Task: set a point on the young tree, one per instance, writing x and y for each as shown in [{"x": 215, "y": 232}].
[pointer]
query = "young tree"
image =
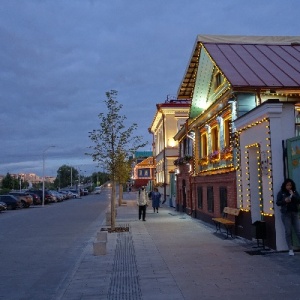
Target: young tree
[
  {"x": 123, "y": 172},
  {"x": 112, "y": 138}
]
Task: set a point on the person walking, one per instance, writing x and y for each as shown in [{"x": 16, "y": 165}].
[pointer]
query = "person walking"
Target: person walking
[
  {"x": 288, "y": 199},
  {"x": 142, "y": 203},
  {"x": 155, "y": 197}
]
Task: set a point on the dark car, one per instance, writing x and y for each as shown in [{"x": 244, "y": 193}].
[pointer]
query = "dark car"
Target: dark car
[
  {"x": 35, "y": 197},
  {"x": 3, "y": 206},
  {"x": 11, "y": 201},
  {"x": 49, "y": 198}
]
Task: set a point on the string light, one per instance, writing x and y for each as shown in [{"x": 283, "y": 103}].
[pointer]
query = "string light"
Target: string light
[{"x": 270, "y": 210}]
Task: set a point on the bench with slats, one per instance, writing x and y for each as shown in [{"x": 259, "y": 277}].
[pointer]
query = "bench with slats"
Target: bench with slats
[{"x": 227, "y": 221}]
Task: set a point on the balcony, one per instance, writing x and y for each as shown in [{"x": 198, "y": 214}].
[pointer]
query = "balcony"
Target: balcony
[{"x": 183, "y": 160}]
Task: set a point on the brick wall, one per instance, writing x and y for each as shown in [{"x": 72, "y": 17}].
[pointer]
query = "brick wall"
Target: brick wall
[{"x": 226, "y": 180}]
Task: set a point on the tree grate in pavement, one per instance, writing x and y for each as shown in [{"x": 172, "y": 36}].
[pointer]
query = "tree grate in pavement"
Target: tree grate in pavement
[{"x": 124, "y": 283}]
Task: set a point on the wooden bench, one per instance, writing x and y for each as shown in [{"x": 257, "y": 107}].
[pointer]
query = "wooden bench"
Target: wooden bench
[{"x": 227, "y": 221}]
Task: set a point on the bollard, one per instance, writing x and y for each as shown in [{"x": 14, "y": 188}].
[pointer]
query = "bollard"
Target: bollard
[
  {"x": 99, "y": 248},
  {"x": 108, "y": 218},
  {"x": 102, "y": 236}
]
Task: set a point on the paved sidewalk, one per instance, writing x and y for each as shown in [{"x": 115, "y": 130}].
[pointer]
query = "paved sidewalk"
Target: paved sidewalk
[{"x": 173, "y": 256}]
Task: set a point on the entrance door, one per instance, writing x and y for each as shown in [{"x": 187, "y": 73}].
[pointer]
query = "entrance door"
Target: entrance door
[{"x": 255, "y": 184}]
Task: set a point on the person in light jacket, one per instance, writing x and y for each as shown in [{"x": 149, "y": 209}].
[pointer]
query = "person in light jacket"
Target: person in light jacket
[
  {"x": 288, "y": 199},
  {"x": 142, "y": 203}
]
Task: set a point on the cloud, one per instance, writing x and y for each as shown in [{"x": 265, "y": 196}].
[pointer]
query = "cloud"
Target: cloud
[{"x": 59, "y": 58}]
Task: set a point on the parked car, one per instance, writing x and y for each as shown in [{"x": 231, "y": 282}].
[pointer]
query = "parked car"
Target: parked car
[
  {"x": 35, "y": 197},
  {"x": 64, "y": 196},
  {"x": 26, "y": 199},
  {"x": 3, "y": 206},
  {"x": 49, "y": 198},
  {"x": 97, "y": 190},
  {"x": 67, "y": 194},
  {"x": 11, "y": 201},
  {"x": 85, "y": 192},
  {"x": 59, "y": 197},
  {"x": 74, "y": 193}
]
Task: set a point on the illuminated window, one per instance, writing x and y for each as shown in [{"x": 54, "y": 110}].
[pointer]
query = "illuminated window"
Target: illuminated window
[
  {"x": 226, "y": 132},
  {"x": 215, "y": 138},
  {"x": 203, "y": 145},
  {"x": 217, "y": 80}
]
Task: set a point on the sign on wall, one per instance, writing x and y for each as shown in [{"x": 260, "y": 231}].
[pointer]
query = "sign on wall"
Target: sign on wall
[{"x": 293, "y": 159}]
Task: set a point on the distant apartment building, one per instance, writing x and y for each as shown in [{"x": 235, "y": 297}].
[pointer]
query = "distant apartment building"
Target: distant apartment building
[{"x": 30, "y": 177}]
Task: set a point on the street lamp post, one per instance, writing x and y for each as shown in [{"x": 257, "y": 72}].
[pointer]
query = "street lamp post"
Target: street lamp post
[
  {"x": 44, "y": 154},
  {"x": 79, "y": 184}
]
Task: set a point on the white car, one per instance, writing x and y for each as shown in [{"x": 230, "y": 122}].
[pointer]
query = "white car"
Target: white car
[{"x": 97, "y": 190}]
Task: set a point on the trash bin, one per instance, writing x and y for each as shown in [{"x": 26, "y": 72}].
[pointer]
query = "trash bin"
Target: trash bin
[{"x": 260, "y": 230}]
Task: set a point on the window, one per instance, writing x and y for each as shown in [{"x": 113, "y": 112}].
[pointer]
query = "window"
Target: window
[
  {"x": 226, "y": 132},
  {"x": 187, "y": 147},
  {"x": 203, "y": 145},
  {"x": 215, "y": 138},
  {"x": 217, "y": 80},
  {"x": 199, "y": 196},
  {"x": 223, "y": 198},
  {"x": 210, "y": 199}
]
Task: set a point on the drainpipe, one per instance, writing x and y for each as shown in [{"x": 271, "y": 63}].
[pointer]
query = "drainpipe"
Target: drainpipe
[
  {"x": 284, "y": 154},
  {"x": 153, "y": 171}
]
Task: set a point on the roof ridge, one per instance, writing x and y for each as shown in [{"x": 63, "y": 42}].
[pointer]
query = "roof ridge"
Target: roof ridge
[{"x": 240, "y": 39}]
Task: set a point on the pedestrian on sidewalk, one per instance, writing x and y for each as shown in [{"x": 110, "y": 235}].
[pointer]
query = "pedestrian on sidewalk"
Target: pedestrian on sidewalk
[
  {"x": 155, "y": 197},
  {"x": 142, "y": 203},
  {"x": 288, "y": 198}
]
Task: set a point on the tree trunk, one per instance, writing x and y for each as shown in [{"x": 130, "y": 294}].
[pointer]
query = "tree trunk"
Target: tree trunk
[
  {"x": 113, "y": 206},
  {"x": 120, "y": 194}
]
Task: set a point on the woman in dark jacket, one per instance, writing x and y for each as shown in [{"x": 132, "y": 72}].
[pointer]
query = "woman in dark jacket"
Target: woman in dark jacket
[
  {"x": 155, "y": 196},
  {"x": 288, "y": 199}
]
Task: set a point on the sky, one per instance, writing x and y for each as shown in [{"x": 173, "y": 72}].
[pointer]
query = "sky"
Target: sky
[{"x": 58, "y": 58}]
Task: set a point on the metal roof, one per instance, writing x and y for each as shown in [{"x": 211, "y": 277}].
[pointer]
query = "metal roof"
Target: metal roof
[
  {"x": 247, "y": 61},
  {"x": 258, "y": 65}
]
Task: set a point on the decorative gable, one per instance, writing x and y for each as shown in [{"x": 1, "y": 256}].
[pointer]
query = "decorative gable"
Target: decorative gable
[{"x": 209, "y": 86}]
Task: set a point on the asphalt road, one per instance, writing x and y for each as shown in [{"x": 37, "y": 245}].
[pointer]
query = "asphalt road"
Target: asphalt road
[{"x": 39, "y": 246}]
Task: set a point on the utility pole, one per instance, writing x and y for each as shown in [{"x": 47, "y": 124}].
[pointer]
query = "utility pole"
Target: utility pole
[{"x": 44, "y": 154}]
